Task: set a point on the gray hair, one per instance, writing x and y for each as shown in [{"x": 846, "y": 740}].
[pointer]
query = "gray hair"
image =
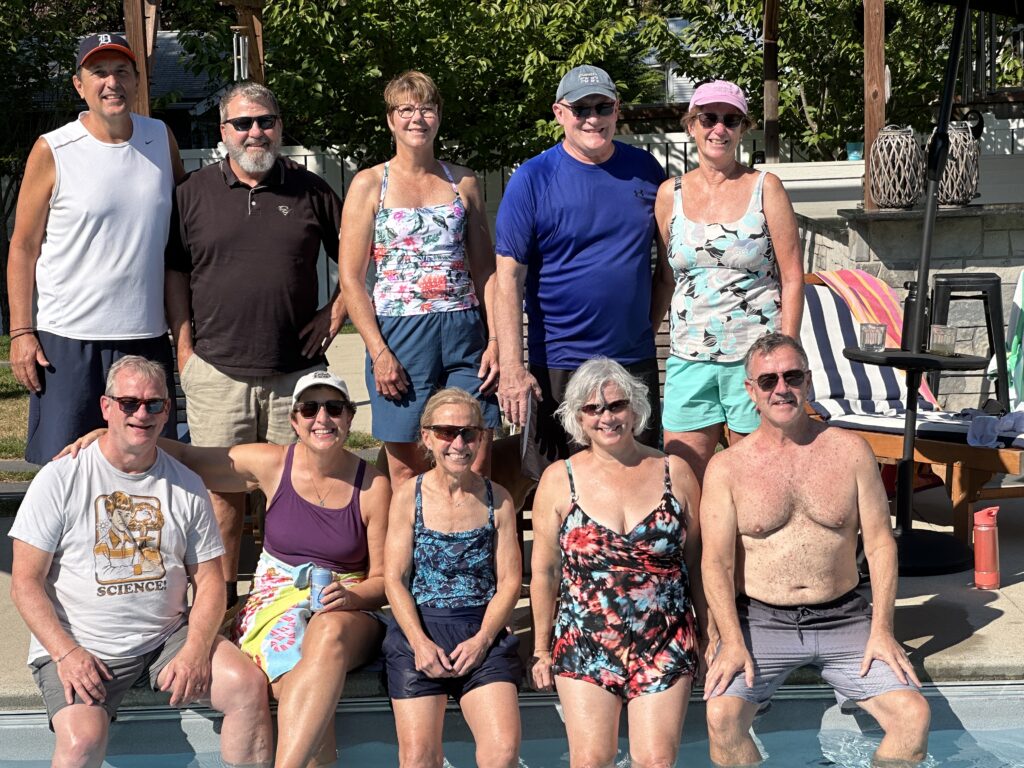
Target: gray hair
[
  {"x": 770, "y": 342},
  {"x": 249, "y": 91},
  {"x": 591, "y": 378},
  {"x": 140, "y": 366}
]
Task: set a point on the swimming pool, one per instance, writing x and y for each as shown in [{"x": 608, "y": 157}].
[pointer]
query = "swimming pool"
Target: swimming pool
[{"x": 974, "y": 725}]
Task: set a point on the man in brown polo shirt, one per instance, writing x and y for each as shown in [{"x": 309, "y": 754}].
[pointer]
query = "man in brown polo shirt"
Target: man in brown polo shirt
[{"x": 242, "y": 288}]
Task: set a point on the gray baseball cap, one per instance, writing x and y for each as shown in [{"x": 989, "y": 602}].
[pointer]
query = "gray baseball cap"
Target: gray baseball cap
[{"x": 585, "y": 81}]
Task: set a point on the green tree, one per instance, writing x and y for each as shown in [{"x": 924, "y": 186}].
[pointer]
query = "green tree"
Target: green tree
[
  {"x": 821, "y": 63},
  {"x": 38, "y": 42},
  {"x": 496, "y": 62}
]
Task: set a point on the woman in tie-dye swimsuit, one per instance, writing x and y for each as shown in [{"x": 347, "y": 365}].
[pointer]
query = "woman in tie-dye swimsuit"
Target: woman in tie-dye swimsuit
[
  {"x": 422, "y": 223},
  {"x": 733, "y": 273},
  {"x": 615, "y": 590}
]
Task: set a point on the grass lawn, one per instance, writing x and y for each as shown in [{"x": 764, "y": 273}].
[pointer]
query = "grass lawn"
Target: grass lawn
[{"x": 13, "y": 409}]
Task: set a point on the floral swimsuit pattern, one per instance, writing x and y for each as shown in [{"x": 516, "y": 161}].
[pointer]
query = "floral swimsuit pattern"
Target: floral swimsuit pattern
[
  {"x": 624, "y": 617},
  {"x": 420, "y": 257},
  {"x": 727, "y": 291},
  {"x": 453, "y": 570}
]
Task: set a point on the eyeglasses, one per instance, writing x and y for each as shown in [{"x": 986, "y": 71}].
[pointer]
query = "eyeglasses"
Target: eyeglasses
[
  {"x": 711, "y": 119},
  {"x": 449, "y": 433},
  {"x": 408, "y": 111},
  {"x": 603, "y": 109},
  {"x": 129, "y": 405},
  {"x": 308, "y": 409},
  {"x": 244, "y": 124},
  {"x": 596, "y": 409},
  {"x": 767, "y": 382}
]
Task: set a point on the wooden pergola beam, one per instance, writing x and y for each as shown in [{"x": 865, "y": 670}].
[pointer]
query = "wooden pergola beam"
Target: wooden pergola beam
[
  {"x": 771, "y": 80},
  {"x": 874, "y": 86},
  {"x": 140, "y": 18}
]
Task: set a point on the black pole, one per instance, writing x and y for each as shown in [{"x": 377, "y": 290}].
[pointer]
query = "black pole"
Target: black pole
[{"x": 919, "y": 552}]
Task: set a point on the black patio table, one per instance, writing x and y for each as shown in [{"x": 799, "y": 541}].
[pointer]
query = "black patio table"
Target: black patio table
[{"x": 924, "y": 553}]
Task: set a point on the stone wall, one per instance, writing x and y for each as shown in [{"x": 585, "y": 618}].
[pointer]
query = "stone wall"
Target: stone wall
[{"x": 975, "y": 238}]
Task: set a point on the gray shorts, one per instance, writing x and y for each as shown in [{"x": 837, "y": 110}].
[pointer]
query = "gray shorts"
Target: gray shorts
[
  {"x": 830, "y": 637},
  {"x": 129, "y": 672}
]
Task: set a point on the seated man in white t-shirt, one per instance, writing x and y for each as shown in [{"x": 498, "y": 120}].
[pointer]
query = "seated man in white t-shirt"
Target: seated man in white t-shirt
[{"x": 105, "y": 546}]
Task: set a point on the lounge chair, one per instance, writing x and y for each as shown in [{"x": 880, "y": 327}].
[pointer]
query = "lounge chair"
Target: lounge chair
[{"x": 870, "y": 399}]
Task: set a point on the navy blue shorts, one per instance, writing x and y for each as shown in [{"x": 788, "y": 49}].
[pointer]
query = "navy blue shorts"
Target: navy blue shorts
[
  {"x": 448, "y": 627},
  {"x": 68, "y": 405},
  {"x": 437, "y": 350}
]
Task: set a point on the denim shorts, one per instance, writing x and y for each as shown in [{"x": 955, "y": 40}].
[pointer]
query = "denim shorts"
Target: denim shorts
[
  {"x": 437, "y": 350},
  {"x": 700, "y": 394},
  {"x": 447, "y": 627}
]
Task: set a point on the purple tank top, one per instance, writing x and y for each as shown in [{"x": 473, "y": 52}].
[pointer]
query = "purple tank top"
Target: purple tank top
[{"x": 299, "y": 531}]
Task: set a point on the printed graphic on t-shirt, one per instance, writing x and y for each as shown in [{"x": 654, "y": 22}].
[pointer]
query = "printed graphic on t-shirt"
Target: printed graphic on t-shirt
[{"x": 128, "y": 535}]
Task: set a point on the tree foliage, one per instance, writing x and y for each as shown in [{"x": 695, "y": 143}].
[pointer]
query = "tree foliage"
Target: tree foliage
[
  {"x": 496, "y": 62},
  {"x": 821, "y": 62}
]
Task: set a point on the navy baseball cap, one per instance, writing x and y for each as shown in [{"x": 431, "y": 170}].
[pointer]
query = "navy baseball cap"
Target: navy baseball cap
[{"x": 104, "y": 41}]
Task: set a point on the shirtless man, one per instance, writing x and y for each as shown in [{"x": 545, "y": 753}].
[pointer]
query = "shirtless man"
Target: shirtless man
[{"x": 786, "y": 545}]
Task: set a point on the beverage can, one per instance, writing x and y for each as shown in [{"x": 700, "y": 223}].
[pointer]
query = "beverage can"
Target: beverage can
[{"x": 318, "y": 579}]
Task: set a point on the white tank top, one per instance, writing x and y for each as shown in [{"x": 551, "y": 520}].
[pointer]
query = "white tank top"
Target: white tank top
[{"x": 100, "y": 272}]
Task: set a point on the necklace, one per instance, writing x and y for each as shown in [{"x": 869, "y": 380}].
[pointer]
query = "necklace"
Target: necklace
[{"x": 309, "y": 474}]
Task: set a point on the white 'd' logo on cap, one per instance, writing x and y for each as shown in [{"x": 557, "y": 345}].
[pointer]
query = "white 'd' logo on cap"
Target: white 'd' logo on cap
[{"x": 104, "y": 39}]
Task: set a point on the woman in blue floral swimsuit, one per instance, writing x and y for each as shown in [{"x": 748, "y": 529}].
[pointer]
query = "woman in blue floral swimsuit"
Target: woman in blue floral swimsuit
[
  {"x": 452, "y": 572},
  {"x": 616, "y": 595},
  {"x": 423, "y": 224}
]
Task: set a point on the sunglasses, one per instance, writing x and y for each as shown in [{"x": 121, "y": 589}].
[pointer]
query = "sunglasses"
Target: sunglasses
[
  {"x": 407, "y": 111},
  {"x": 766, "y": 382},
  {"x": 244, "y": 124},
  {"x": 308, "y": 409},
  {"x": 449, "y": 433},
  {"x": 711, "y": 119},
  {"x": 596, "y": 409},
  {"x": 129, "y": 405},
  {"x": 603, "y": 109}
]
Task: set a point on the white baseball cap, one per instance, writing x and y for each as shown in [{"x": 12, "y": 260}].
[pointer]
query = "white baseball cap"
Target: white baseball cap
[{"x": 319, "y": 379}]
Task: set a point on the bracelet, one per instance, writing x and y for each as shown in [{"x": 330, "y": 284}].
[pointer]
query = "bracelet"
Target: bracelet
[
  {"x": 24, "y": 332},
  {"x": 68, "y": 653},
  {"x": 377, "y": 356},
  {"x": 23, "y": 328},
  {"x": 491, "y": 338}
]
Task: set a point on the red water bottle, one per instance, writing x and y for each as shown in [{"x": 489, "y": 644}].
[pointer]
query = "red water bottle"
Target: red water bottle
[{"x": 986, "y": 549}]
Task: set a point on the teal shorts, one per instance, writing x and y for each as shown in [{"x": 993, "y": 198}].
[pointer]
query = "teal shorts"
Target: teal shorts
[{"x": 700, "y": 394}]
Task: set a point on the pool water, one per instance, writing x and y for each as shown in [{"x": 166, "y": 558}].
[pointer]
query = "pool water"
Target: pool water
[{"x": 973, "y": 726}]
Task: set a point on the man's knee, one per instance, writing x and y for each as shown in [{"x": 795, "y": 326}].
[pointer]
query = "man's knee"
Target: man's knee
[
  {"x": 725, "y": 717},
  {"x": 81, "y": 732},
  {"x": 238, "y": 684},
  {"x": 905, "y": 717}
]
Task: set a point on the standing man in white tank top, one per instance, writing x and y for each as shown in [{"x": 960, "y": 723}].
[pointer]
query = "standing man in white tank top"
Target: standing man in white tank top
[{"x": 86, "y": 268}]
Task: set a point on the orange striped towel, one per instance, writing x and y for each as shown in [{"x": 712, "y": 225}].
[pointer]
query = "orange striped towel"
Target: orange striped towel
[{"x": 872, "y": 301}]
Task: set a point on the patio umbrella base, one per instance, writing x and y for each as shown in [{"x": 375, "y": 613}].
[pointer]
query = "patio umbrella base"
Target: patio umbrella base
[{"x": 932, "y": 553}]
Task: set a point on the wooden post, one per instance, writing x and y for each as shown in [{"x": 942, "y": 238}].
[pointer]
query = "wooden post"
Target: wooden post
[
  {"x": 135, "y": 31},
  {"x": 874, "y": 86},
  {"x": 771, "y": 80}
]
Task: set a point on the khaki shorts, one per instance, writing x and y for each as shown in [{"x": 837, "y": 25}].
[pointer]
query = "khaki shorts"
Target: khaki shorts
[
  {"x": 228, "y": 410},
  {"x": 129, "y": 672}
]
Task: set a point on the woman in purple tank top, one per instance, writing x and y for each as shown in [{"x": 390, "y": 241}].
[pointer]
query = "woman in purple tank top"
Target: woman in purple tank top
[{"x": 327, "y": 508}]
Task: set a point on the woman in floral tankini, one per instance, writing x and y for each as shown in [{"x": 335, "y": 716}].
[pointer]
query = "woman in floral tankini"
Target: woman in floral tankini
[
  {"x": 422, "y": 223},
  {"x": 615, "y": 590},
  {"x": 733, "y": 273},
  {"x": 453, "y": 575}
]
